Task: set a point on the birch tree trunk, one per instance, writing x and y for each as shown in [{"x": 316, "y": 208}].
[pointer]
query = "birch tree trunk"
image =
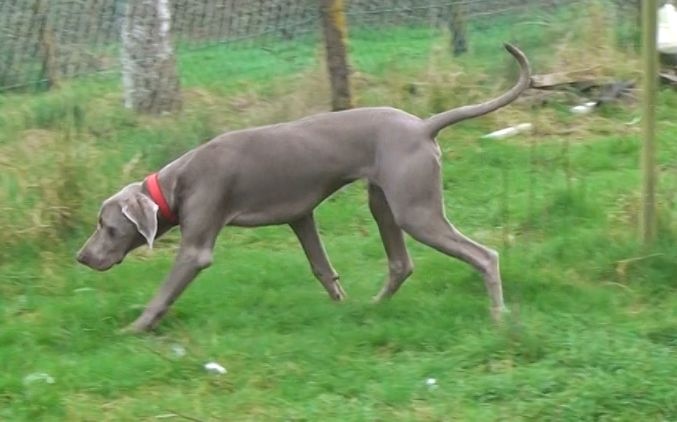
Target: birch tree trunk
[
  {"x": 149, "y": 75},
  {"x": 335, "y": 32}
]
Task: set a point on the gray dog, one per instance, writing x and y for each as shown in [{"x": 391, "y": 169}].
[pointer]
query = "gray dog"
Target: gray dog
[{"x": 278, "y": 174}]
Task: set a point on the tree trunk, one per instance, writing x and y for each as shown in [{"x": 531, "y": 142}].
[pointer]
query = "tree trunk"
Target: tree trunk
[
  {"x": 334, "y": 25},
  {"x": 149, "y": 75}
]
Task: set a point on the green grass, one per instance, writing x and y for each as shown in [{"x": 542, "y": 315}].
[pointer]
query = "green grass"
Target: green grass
[{"x": 593, "y": 328}]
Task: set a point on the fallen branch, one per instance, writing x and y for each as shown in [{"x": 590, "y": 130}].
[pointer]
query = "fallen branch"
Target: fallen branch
[
  {"x": 595, "y": 92},
  {"x": 560, "y": 80},
  {"x": 668, "y": 78},
  {"x": 622, "y": 265}
]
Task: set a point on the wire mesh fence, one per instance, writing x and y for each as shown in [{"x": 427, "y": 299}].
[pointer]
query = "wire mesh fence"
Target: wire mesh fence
[
  {"x": 42, "y": 41},
  {"x": 402, "y": 54}
]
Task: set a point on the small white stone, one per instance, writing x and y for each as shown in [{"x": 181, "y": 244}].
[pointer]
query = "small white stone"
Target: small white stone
[
  {"x": 215, "y": 368},
  {"x": 431, "y": 382},
  {"x": 178, "y": 351},
  {"x": 84, "y": 290},
  {"x": 38, "y": 376},
  {"x": 633, "y": 121},
  {"x": 584, "y": 108}
]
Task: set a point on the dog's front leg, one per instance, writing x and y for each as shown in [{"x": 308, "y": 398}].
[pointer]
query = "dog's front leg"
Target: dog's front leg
[
  {"x": 189, "y": 262},
  {"x": 306, "y": 231}
]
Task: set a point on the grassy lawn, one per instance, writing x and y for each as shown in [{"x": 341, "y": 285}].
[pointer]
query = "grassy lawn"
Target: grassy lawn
[{"x": 593, "y": 327}]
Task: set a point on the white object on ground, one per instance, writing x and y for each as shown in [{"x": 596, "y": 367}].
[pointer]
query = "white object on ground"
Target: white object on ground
[
  {"x": 215, "y": 368},
  {"x": 178, "y": 350},
  {"x": 38, "y": 376},
  {"x": 634, "y": 121},
  {"x": 84, "y": 290},
  {"x": 509, "y": 131},
  {"x": 584, "y": 108},
  {"x": 431, "y": 382},
  {"x": 666, "y": 37}
]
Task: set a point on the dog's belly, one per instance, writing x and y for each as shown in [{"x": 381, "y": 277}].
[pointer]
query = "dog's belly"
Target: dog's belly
[{"x": 279, "y": 208}]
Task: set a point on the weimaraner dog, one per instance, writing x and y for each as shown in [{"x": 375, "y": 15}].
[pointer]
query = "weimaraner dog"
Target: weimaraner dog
[{"x": 278, "y": 174}]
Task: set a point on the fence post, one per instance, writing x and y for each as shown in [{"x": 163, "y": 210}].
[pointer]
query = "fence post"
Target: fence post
[
  {"x": 650, "y": 86},
  {"x": 459, "y": 41},
  {"x": 335, "y": 33},
  {"x": 50, "y": 68}
]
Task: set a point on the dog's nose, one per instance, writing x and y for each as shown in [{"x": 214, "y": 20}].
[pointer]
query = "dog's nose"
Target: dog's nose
[{"x": 80, "y": 257}]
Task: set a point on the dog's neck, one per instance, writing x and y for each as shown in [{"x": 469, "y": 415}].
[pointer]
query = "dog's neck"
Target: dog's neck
[
  {"x": 167, "y": 189},
  {"x": 155, "y": 192}
]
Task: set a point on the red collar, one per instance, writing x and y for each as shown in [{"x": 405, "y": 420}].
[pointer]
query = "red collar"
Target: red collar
[{"x": 158, "y": 197}]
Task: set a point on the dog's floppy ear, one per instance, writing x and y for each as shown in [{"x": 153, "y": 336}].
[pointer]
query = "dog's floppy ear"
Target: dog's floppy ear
[{"x": 142, "y": 211}]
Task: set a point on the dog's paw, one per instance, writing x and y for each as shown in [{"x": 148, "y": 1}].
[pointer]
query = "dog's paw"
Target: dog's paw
[
  {"x": 499, "y": 314},
  {"x": 130, "y": 330},
  {"x": 381, "y": 297},
  {"x": 135, "y": 328}
]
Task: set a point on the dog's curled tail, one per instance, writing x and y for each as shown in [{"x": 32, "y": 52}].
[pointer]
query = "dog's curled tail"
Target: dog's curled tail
[{"x": 439, "y": 121}]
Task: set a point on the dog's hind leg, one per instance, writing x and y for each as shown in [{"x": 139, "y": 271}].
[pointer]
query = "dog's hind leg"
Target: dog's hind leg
[
  {"x": 306, "y": 232},
  {"x": 399, "y": 263},
  {"x": 415, "y": 196},
  {"x": 435, "y": 231}
]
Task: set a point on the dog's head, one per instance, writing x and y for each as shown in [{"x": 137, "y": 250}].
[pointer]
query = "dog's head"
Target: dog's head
[{"x": 127, "y": 220}]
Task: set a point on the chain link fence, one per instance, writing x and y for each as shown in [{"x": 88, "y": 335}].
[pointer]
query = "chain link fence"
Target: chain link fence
[{"x": 43, "y": 41}]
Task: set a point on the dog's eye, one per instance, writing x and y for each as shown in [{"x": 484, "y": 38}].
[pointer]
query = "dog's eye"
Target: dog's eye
[{"x": 111, "y": 231}]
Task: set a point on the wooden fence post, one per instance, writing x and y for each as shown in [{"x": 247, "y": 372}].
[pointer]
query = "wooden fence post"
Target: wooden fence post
[
  {"x": 650, "y": 87},
  {"x": 459, "y": 42},
  {"x": 335, "y": 33},
  {"x": 47, "y": 49}
]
